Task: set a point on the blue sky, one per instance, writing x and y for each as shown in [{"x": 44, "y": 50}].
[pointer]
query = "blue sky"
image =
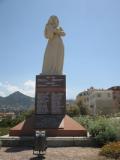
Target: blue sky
[{"x": 92, "y": 43}]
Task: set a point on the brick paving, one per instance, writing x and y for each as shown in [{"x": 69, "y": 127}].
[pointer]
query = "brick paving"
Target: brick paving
[{"x": 63, "y": 153}]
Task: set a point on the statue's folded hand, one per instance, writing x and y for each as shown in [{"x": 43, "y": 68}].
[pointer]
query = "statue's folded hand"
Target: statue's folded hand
[{"x": 59, "y": 31}]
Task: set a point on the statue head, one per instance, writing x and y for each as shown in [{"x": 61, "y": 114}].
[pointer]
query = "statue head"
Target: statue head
[{"x": 53, "y": 20}]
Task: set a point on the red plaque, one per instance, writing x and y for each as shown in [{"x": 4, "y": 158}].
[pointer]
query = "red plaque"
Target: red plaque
[{"x": 50, "y": 94}]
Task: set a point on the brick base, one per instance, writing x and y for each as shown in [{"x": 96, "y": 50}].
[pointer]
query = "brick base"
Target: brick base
[{"x": 71, "y": 128}]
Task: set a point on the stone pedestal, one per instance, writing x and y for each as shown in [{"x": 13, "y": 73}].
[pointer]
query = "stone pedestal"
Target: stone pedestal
[
  {"x": 50, "y": 111},
  {"x": 50, "y": 101}
]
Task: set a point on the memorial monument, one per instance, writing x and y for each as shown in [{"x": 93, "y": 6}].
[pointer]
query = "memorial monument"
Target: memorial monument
[
  {"x": 50, "y": 96},
  {"x": 50, "y": 93}
]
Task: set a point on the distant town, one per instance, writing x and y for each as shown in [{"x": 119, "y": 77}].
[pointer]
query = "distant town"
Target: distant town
[{"x": 90, "y": 102}]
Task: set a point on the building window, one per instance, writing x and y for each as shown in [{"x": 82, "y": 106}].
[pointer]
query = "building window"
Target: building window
[
  {"x": 109, "y": 95},
  {"x": 91, "y": 106},
  {"x": 114, "y": 97},
  {"x": 99, "y": 95}
]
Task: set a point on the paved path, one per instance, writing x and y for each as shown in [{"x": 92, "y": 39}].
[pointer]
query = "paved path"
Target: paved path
[{"x": 63, "y": 153}]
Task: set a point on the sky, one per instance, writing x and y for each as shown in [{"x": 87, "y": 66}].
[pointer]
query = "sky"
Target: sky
[{"x": 92, "y": 43}]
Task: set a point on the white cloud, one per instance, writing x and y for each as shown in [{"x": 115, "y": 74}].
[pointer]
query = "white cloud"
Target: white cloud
[
  {"x": 30, "y": 93},
  {"x": 2, "y": 94},
  {"x": 30, "y": 84},
  {"x": 71, "y": 93},
  {"x": 27, "y": 88},
  {"x": 11, "y": 88}
]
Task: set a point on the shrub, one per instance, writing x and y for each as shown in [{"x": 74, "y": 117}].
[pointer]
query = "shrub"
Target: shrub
[
  {"x": 102, "y": 129},
  {"x": 84, "y": 120},
  {"x": 104, "y": 137},
  {"x": 4, "y": 130},
  {"x": 111, "y": 150},
  {"x": 9, "y": 122},
  {"x": 84, "y": 110},
  {"x": 115, "y": 122},
  {"x": 73, "y": 110}
]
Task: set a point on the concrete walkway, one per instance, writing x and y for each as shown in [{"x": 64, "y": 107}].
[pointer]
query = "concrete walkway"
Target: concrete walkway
[{"x": 63, "y": 153}]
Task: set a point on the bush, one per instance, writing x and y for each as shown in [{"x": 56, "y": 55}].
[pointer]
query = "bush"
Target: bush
[
  {"x": 115, "y": 122},
  {"x": 4, "y": 130},
  {"x": 102, "y": 131},
  {"x": 6, "y": 122},
  {"x": 73, "y": 110},
  {"x": 9, "y": 122},
  {"x": 106, "y": 136},
  {"x": 100, "y": 128},
  {"x": 111, "y": 150},
  {"x": 84, "y": 110},
  {"x": 84, "y": 120}
]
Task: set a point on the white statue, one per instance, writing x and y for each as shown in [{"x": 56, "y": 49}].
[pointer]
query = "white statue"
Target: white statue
[{"x": 54, "y": 54}]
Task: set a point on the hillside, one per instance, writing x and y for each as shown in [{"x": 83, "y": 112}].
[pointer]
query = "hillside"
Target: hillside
[{"x": 16, "y": 101}]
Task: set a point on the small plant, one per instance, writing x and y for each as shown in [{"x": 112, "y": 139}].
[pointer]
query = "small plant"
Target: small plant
[{"x": 111, "y": 150}]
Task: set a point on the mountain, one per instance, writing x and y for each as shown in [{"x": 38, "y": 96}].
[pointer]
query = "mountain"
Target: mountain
[{"x": 16, "y": 101}]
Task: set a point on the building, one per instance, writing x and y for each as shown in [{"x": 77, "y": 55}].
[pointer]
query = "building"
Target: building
[
  {"x": 7, "y": 114},
  {"x": 116, "y": 97},
  {"x": 97, "y": 101}
]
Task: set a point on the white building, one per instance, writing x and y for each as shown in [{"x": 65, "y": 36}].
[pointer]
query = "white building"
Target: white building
[{"x": 98, "y": 101}]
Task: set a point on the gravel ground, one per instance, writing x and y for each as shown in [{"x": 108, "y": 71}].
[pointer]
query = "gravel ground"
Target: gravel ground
[{"x": 63, "y": 153}]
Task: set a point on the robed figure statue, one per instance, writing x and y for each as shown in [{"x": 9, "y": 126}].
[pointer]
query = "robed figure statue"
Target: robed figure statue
[{"x": 54, "y": 53}]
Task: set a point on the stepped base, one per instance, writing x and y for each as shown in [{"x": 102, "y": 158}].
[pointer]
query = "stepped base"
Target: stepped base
[{"x": 71, "y": 128}]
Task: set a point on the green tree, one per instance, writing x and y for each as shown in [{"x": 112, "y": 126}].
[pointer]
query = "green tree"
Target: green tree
[
  {"x": 83, "y": 108},
  {"x": 73, "y": 110}
]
